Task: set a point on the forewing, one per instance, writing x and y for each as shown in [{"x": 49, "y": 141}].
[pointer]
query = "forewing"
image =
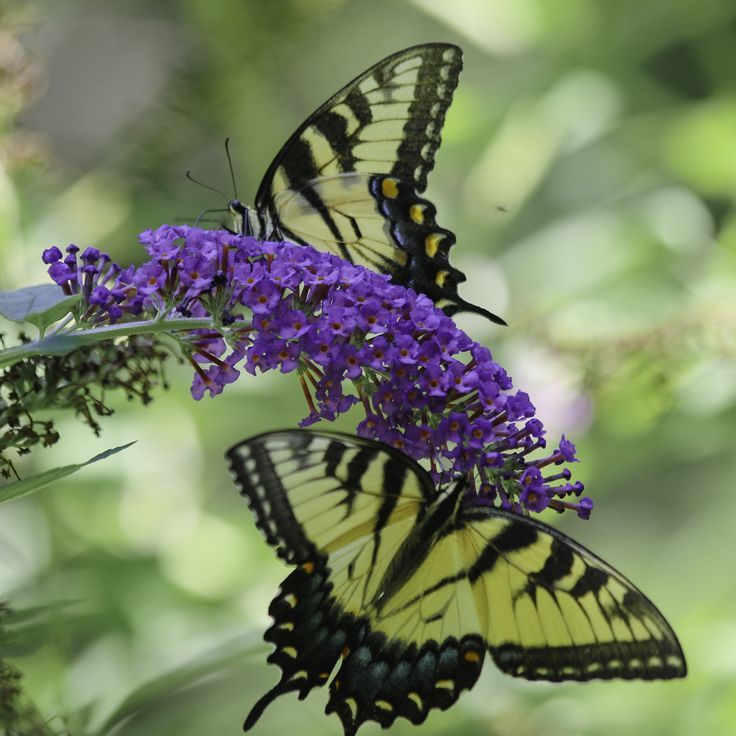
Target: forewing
[
  {"x": 317, "y": 492},
  {"x": 552, "y": 610},
  {"x": 387, "y": 120},
  {"x": 348, "y": 223}
]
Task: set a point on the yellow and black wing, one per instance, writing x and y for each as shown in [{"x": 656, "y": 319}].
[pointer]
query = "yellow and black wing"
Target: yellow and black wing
[
  {"x": 408, "y": 587},
  {"x": 387, "y": 120},
  {"x": 550, "y": 609},
  {"x": 348, "y": 180}
]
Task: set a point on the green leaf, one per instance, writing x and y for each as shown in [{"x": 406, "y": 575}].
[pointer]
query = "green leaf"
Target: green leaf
[
  {"x": 30, "y": 485},
  {"x": 26, "y": 631},
  {"x": 40, "y": 305},
  {"x": 16, "y": 616}
]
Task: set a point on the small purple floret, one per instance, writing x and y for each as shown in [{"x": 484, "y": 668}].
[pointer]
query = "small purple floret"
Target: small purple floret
[{"x": 51, "y": 255}]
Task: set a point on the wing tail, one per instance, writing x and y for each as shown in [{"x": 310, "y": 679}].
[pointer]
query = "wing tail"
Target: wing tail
[
  {"x": 309, "y": 632},
  {"x": 458, "y": 304},
  {"x": 256, "y": 711}
]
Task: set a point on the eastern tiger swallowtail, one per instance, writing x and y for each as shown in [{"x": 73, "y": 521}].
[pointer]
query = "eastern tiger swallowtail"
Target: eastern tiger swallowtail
[
  {"x": 347, "y": 180},
  {"x": 408, "y": 587}
]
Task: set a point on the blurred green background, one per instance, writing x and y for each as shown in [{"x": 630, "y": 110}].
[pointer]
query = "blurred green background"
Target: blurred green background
[{"x": 589, "y": 171}]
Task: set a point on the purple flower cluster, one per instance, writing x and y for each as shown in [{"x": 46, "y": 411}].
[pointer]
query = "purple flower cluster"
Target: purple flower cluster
[
  {"x": 352, "y": 337},
  {"x": 85, "y": 274}
]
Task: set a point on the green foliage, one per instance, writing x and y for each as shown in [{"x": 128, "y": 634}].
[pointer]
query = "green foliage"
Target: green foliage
[
  {"x": 25, "y": 487},
  {"x": 40, "y": 305},
  {"x": 79, "y": 382},
  {"x": 18, "y": 715}
]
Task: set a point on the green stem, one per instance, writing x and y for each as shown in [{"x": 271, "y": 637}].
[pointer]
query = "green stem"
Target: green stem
[{"x": 60, "y": 344}]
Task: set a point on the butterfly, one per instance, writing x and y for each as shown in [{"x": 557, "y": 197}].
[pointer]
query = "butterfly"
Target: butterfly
[
  {"x": 348, "y": 179},
  {"x": 407, "y": 586}
]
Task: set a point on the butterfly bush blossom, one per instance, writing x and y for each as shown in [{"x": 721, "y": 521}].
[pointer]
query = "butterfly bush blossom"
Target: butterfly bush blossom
[{"x": 351, "y": 337}]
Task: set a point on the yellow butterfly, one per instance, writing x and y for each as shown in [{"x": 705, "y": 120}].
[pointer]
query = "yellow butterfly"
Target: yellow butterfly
[
  {"x": 348, "y": 180},
  {"x": 407, "y": 586}
]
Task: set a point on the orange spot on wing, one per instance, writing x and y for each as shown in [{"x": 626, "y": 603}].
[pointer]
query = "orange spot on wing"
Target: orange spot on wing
[
  {"x": 432, "y": 243},
  {"x": 389, "y": 188},
  {"x": 416, "y": 212}
]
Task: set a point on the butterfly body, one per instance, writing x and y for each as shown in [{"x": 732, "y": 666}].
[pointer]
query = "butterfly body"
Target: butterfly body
[
  {"x": 249, "y": 221},
  {"x": 406, "y": 588},
  {"x": 349, "y": 179}
]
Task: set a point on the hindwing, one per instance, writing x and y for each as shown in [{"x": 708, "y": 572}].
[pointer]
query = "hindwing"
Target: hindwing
[{"x": 381, "y": 223}]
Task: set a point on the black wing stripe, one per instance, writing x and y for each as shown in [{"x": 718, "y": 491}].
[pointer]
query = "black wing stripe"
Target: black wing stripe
[
  {"x": 358, "y": 105},
  {"x": 333, "y": 456},
  {"x": 511, "y": 539},
  {"x": 357, "y": 468},
  {"x": 261, "y": 485},
  {"x": 410, "y": 149},
  {"x": 559, "y": 563},
  {"x": 334, "y": 127},
  {"x": 591, "y": 581}
]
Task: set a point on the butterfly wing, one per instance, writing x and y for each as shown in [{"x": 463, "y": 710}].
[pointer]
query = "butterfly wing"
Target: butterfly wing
[
  {"x": 340, "y": 508},
  {"x": 348, "y": 179},
  {"x": 542, "y": 605},
  {"x": 385, "y": 121},
  {"x": 552, "y": 610},
  {"x": 316, "y": 493},
  {"x": 381, "y": 223}
]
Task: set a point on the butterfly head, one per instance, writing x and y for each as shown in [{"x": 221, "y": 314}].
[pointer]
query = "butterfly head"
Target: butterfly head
[
  {"x": 250, "y": 222},
  {"x": 241, "y": 217}
]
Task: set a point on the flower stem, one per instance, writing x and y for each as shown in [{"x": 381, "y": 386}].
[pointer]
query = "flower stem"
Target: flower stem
[{"x": 60, "y": 344}]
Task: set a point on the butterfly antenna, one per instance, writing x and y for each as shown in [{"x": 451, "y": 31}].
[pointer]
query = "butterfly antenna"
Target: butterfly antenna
[
  {"x": 206, "y": 186},
  {"x": 230, "y": 165},
  {"x": 200, "y": 217}
]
